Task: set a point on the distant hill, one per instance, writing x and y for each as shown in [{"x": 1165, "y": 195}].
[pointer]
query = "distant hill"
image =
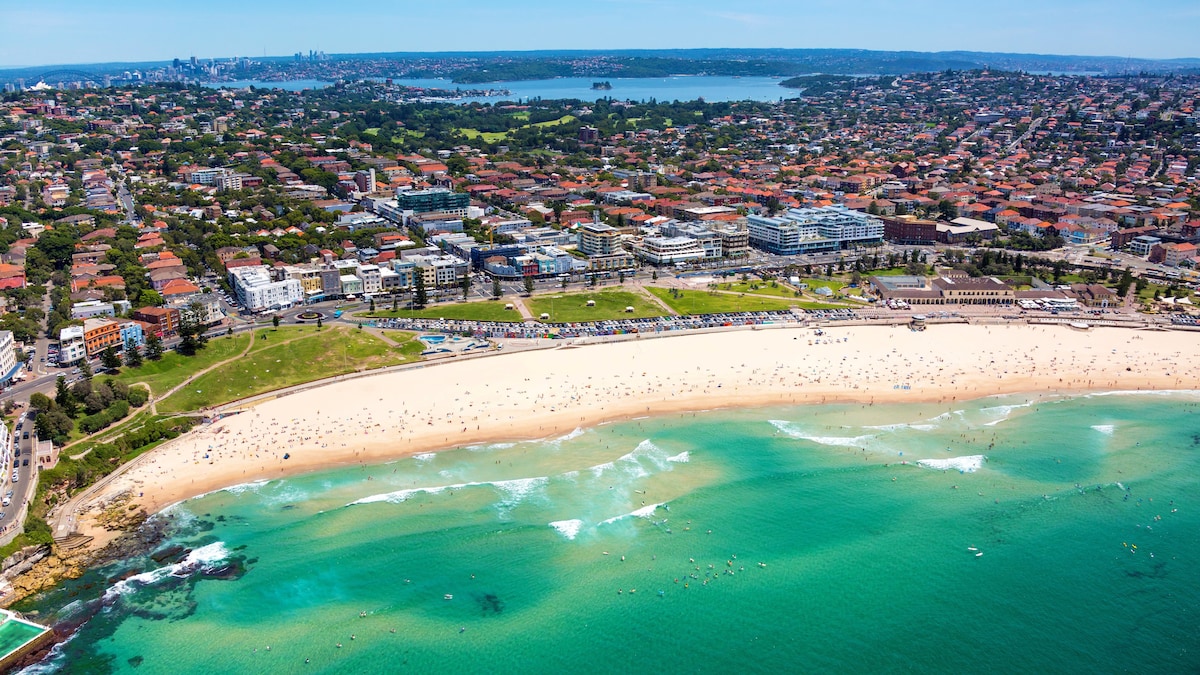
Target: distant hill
[{"x": 481, "y": 67}]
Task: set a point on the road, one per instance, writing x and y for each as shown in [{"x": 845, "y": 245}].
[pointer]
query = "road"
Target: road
[
  {"x": 25, "y": 466},
  {"x": 125, "y": 199}
]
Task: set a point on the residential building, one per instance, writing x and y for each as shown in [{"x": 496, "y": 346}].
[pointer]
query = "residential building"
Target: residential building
[
  {"x": 165, "y": 320},
  {"x": 669, "y": 250},
  {"x": 811, "y": 230},
  {"x": 100, "y": 334},
  {"x": 71, "y": 348},
  {"x": 350, "y": 285},
  {"x": 433, "y": 200},
  {"x": 8, "y": 365},
  {"x": 909, "y": 230},
  {"x": 132, "y": 334},
  {"x": 597, "y": 239},
  {"x": 256, "y": 292}
]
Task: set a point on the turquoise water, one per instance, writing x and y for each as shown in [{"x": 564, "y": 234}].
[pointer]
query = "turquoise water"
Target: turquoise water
[
  {"x": 14, "y": 633},
  {"x": 785, "y": 539}
]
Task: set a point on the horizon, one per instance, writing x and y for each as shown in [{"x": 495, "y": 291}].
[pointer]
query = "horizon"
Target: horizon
[{"x": 78, "y": 33}]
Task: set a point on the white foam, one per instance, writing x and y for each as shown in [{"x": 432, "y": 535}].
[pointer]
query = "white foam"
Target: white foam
[
  {"x": 425, "y": 456},
  {"x": 967, "y": 464},
  {"x": 681, "y": 458},
  {"x": 516, "y": 489},
  {"x": 568, "y": 528},
  {"x": 252, "y": 486},
  {"x": 198, "y": 559},
  {"x": 520, "y": 488},
  {"x": 902, "y": 427},
  {"x": 1106, "y": 429},
  {"x": 631, "y": 462},
  {"x": 1004, "y": 411},
  {"x": 238, "y": 489},
  {"x": 571, "y": 436},
  {"x": 488, "y": 447},
  {"x": 793, "y": 431},
  {"x": 644, "y": 512}
]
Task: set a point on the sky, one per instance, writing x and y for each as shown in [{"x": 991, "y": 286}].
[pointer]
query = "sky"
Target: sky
[{"x": 79, "y": 31}]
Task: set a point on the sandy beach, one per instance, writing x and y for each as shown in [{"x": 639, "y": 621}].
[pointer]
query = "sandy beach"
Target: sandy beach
[{"x": 549, "y": 393}]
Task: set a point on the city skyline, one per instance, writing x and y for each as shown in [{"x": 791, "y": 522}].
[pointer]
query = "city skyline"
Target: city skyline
[{"x": 75, "y": 32}]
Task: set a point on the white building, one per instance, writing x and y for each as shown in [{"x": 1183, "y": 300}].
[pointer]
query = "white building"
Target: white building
[
  {"x": 8, "y": 359},
  {"x": 351, "y": 285},
  {"x": 811, "y": 230},
  {"x": 372, "y": 280},
  {"x": 71, "y": 345},
  {"x": 256, "y": 292},
  {"x": 669, "y": 250}
]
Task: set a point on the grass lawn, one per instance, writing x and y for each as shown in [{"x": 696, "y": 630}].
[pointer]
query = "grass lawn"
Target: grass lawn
[
  {"x": 487, "y": 136},
  {"x": 279, "y": 364},
  {"x": 522, "y": 115},
  {"x": 703, "y": 302},
  {"x": 890, "y": 272},
  {"x": 764, "y": 288},
  {"x": 373, "y": 131},
  {"x": 497, "y": 136},
  {"x": 610, "y": 304},
  {"x": 488, "y": 310},
  {"x": 565, "y": 119},
  {"x": 171, "y": 369}
]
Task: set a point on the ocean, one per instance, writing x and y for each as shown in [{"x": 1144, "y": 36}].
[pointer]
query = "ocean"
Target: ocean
[{"x": 1009, "y": 534}]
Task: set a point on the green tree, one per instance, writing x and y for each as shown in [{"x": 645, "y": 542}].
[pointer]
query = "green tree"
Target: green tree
[
  {"x": 496, "y": 290},
  {"x": 1125, "y": 282},
  {"x": 133, "y": 355},
  {"x": 55, "y": 425},
  {"x": 466, "y": 286},
  {"x": 85, "y": 370},
  {"x": 149, "y": 298},
  {"x": 154, "y": 347},
  {"x": 58, "y": 245},
  {"x": 420, "y": 296},
  {"x": 528, "y": 285},
  {"x": 372, "y": 308},
  {"x": 319, "y": 323},
  {"x": 275, "y": 320},
  {"x": 110, "y": 359},
  {"x": 41, "y": 402}
]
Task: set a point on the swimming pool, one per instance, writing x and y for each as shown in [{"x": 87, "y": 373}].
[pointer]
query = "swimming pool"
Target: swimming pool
[
  {"x": 15, "y": 634},
  {"x": 432, "y": 339}
]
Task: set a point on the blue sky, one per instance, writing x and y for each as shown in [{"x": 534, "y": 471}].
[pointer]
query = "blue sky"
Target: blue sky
[{"x": 74, "y": 31}]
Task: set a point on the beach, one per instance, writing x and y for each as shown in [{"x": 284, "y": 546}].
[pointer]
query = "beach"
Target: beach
[{"x": 550, "y": 393}]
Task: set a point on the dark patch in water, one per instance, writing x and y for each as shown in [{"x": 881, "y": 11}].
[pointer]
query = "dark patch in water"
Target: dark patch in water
[
  {"x": 1158, "y": 571},
  {"x": 288, "y": 507},
  {"x": 240, "y": 548},
  {"x": 230, "y": 571},
  {"x": 167, "y": 553},
  {"x": 490, "y": 604},
  {"x": 220, "y": 519},
  {"x": 136, "y": 660}
]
